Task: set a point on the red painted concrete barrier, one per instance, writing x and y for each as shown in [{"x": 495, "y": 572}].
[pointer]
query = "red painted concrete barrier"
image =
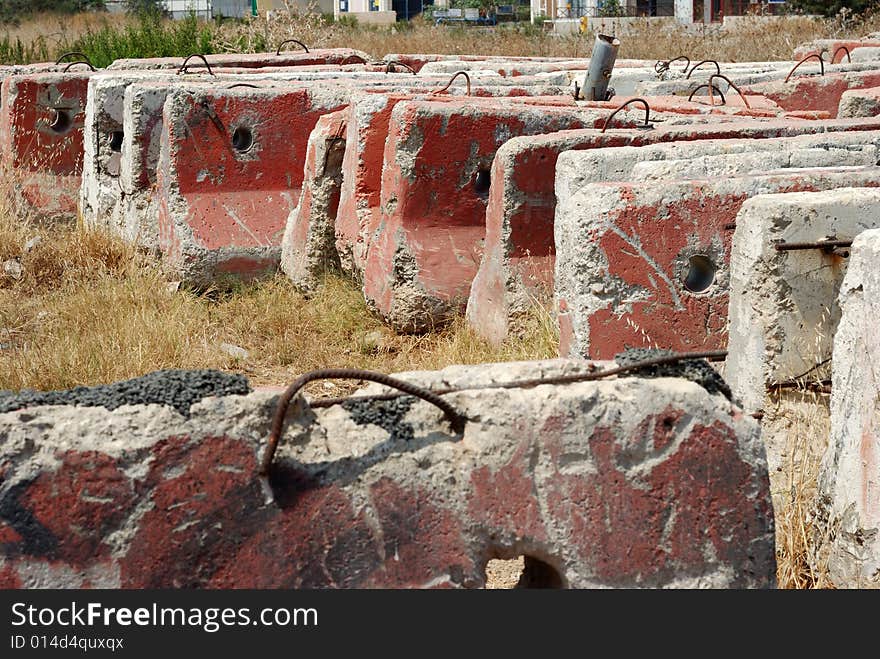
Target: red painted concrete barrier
[
  {"x": 830, "y": 48},
  {"x": 662, "y": 485},
  {"x": 367, "y": 131},
  {"x": 41, "y": 147},
  {"x": 230, "y": 172},
  {"x": 424, "y": 245},
  {"x": 814, "y": 92},
  {"x": 648, "y": 264},
  {"x": 519, "y": 255}
]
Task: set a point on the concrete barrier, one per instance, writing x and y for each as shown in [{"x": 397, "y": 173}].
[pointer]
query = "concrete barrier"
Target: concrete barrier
[
  {"x": 783, "y": 304},
  {"x": 41, "y": 133},
  {"x": 811, "y": 92},
  {"x": 230, "y": 172},
  {"x": 648, "y": 263},
  {"x": 859, "y": 103},
  {"x": 424, "y": 252},
  {"x": 385, "y": 494},
  {"x": 308, "y": 247},
  {"x": 519, "y": 255},
  {"x": 849, "y": 481}
]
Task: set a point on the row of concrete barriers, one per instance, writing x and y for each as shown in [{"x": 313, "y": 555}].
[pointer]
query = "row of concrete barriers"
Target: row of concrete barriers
[{"x": 485, "y": 193}]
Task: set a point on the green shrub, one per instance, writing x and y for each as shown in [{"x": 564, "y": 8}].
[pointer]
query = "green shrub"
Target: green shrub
[{"x": 150, "y": 36}]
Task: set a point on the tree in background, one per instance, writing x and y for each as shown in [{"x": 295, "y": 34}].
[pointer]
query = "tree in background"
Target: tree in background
[
  {"x": 610, "y": 8},
  {"x": 829, "y": 8}
]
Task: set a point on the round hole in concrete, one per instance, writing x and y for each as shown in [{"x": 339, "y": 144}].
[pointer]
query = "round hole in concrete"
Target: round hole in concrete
[
  {"x": 521, "y": 572},
  {"x": 700, "y": 275},
  {"x": 115, "y": 140},
  {"x": 242, "y": 139},
  {"x": 482, "y": 182},
  {"x": 60, "y": 120}
]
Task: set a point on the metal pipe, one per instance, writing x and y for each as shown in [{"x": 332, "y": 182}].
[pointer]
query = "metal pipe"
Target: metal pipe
[
  {"x": 595, "y": 87},
  {"x": 818, "y": 244}
]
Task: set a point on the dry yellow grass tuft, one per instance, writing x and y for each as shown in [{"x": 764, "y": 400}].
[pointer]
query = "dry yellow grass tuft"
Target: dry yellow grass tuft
[{"x": 87, "y": 309}]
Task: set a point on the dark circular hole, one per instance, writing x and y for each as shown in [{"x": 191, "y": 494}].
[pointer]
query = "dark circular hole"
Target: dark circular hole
[
  {"x": 482, "y": 182},
  {"x": 61, "y": 121},
  {"x": 115, "y": 140},
  {"x": 701, "y": 274},
  {"x": 242, "y": 139}
]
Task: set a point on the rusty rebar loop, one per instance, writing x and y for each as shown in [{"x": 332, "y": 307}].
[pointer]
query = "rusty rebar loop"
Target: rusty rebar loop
[
  {"x": 732, "y": 86},
  {"x": 629, "y": 102},
  {"x": 449, "y": 84},
  {"x": 82, "y": 58},
  {"x": 662, "y": 67},
  {"x": 699, "y": 64},
  {"x": 710, "y": 355},
  {"x": 81, "y": 61},
  {"x": 351, "y": 57},
  {"x": 827, "y": 245},
  {"x": 456, "y": 420},
  {"x": 287, "y": 41},
  {"x": 389, "y": 67},
  {"x": 817, "y": 56},
  {"x": 712, "y": 99},
  {"x": 184, "y": 68},
  {"x": 844, "y": 49}
]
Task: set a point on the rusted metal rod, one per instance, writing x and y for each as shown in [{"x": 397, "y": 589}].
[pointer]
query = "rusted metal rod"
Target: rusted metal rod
[
  {"x": 454, "y": 76},
  {"x": 184, "y": 68},
  {"x": 72, "y": 64},
  {"x": 806, "y": 59},
  {"x": 818, "y": 244},
  {"x": 823, "y": 387},
  {"x": 82, "y": 58},
  {"x": 389, "y": 67},
  {"x": 699, "y": 64},
  {"x": 632, "y": 100},
  {"x": 287, "y": 41},
  {"x": 456, "y": 420},
  {"x": 712, "y": 99},
  {"x": 661, "y": 66},
  {"x": 732, "y": 86},
  {"x": 360, "y": 59},
  {"x": 844, "y": 49}
]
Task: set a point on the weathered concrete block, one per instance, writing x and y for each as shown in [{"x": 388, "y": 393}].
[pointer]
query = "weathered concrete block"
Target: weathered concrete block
[
  {"x": 830, "y": 47},
  {"x": 860, "y": 103},
  {"x": 424, "y": 250},
  {"x": 308, "y": 248},
  {"x": 647, "y": 264},
  {"x": 595, "y": 481},
  {"x": 368, "y": 129},
  {"x": 230, "y": 172},
  {"x": 316, "y": 56},
  {"x": 849, "y": 480},
  {"x": 783, "y": 305},
  {"x": 519, "y": 256},
  {"x": 41, "y": 147}
]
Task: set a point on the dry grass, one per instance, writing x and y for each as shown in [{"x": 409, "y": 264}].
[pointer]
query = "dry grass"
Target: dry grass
[
  {"x": 796, "y": 428},
  {"x": 88, "y": 309},
  {"x": 752, "y": 39}
]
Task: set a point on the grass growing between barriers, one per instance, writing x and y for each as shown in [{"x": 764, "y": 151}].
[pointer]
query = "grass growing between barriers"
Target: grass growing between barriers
[{"x": 86, "y": 308}]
